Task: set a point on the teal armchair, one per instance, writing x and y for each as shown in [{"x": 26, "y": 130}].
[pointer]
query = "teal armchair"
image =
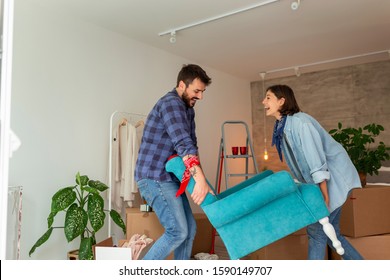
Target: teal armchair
[{"x": 261, "y": 210}]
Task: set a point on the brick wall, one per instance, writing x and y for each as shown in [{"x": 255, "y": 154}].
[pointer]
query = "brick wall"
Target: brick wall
[{"x": 354, "y": 95}]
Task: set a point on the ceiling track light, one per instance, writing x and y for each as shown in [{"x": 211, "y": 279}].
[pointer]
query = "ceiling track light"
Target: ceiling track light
[
  {"x": 173, "y": 30},
  {"x": 295, "y": 5},
  {"x": 297, "y": 71},
  {"x": 172, "y": 40}
]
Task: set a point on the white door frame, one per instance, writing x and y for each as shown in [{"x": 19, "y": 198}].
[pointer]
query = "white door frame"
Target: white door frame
[{"x": 7, "y": 10}]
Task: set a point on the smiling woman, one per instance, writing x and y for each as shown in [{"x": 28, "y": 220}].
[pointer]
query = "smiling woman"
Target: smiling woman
[{"x": 313, "y": 157}]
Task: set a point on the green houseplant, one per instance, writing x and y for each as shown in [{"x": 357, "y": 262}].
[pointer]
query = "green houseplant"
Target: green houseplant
[
  {"x": 358, "y": 144},
  {"x": 84, "y": 207}
]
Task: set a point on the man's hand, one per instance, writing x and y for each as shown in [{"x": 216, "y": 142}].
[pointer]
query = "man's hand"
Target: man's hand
[
  {"x": 201, "y": 187},
  {"x": 200, "y": 191}
]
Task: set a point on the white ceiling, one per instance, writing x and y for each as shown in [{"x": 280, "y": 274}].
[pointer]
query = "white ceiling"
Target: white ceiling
[{"x": 258, "y": 40}]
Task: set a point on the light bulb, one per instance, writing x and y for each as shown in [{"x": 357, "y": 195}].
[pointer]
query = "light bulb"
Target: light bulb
[
  {"x": 265, "y": 154},
  {"x": 295, "y": 5}
]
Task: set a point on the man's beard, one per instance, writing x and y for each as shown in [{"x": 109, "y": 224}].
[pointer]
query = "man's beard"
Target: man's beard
[{"x": 190, "y": 102}]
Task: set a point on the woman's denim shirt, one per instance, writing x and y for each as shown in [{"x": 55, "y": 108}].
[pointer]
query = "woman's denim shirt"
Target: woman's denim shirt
[{"x": 314, "y": 156}]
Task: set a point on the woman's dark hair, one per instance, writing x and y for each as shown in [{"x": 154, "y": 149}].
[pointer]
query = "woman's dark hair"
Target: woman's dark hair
[
  {"x": 290, "y": 105},
  {"x": 191, "y": 72}
]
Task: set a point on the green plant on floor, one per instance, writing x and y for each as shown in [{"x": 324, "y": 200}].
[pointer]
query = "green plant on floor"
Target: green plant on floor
[
  {"x": 358, "y": 142},
  {"x": 85, "y": 214}
]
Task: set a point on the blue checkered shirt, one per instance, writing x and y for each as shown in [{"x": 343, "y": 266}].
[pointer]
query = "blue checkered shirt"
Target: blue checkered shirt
[{"x": 169, "y": 129}]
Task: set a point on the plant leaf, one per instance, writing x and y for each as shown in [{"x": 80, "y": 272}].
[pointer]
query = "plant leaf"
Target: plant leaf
[
  {"x": 76, "y": 220},
  {"x": 41, "y": 240},
  {"x": 359, "y": 146},
  {"x": 62, "y": 199},
  {"x": 91, "y": 190},
  {"x": 81, "y": 180},
  {"x": 118, "y": 220},
  {"x": 50, "y": 219},
  {"x": 97, "y": 185},
  {"x": 85, "y": 250},
  {"x": 96, "y": 214}
]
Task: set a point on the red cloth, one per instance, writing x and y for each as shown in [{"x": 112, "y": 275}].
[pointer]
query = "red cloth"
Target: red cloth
[{"x": 188, "y": 163}]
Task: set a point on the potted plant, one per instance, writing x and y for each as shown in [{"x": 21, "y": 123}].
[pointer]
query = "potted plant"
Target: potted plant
[
  {"x": 84, "y": 217},
  {"x": 358, "y": 144}
]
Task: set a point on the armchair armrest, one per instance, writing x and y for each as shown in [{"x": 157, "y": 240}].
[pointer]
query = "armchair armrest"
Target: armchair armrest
[
  {"x": 176, "y": 166},
  {"x": 314, "y": 201},
  {"x": 245, "y": 183}
]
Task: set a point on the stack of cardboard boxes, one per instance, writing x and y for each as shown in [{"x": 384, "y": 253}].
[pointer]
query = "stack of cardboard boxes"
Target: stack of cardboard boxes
[{"x": 365, "y": 222}]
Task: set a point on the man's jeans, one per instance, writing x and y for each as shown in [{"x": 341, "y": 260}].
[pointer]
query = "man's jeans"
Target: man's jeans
[
  {"x": 318, "y": 240},
  {"x": 175, "y": 216}
]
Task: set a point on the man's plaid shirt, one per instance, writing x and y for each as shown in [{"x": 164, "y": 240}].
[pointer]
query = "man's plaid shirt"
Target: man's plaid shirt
[{"x": 169, "y": 129}]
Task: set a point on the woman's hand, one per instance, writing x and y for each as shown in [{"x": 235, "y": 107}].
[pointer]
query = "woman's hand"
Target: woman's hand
[{"x": 324, "y": 190}]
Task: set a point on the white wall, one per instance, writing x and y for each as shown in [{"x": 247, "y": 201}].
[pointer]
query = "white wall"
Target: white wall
[{"x": 68, "y": 77}]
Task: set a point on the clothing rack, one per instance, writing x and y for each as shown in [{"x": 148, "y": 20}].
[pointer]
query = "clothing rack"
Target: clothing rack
[{"x": 115, "y": 119}]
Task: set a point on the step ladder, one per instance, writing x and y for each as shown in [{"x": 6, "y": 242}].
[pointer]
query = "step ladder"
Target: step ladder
[
  {"x": 225, "y": 155},
  {"x": 223, "y": 166}
]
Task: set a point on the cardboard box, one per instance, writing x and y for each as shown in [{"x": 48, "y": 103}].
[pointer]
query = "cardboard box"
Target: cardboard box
[
  {"x": 366, "y": 212},
  {"x": 302, "y": 231},
  {"x": 375, "y": 247},
  {"x": 105, "y": 250},
  {"x": 106, "y": 243},
  {"x": 147, "y": 223},
  {"x": 73, "y": 255},
  {"x": 203, "y": 237},
  {"x": 291, "y": 247}
]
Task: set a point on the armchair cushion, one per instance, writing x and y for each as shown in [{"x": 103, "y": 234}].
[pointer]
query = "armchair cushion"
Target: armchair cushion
[{"x": 249, "y": 199}]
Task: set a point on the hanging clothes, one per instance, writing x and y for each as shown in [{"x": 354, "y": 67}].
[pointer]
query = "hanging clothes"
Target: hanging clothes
[{"x": 125, "y": 155}]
